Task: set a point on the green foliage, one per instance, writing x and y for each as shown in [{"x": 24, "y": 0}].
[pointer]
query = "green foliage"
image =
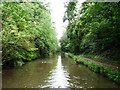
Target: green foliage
[
  {"x": 70, "y": 12},
  {"x": 98, "y": 68},
  {"x": 27, "y": 32},
  {"x": 96, "y": 30}
]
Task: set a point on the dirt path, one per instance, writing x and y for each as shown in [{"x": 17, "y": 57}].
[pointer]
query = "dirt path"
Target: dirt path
[{"x": 117, "y": 67}]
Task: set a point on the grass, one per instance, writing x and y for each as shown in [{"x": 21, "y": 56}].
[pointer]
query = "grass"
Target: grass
[
  {"x": 115, "y": 61},
  {"x": 98, "y": 68}
]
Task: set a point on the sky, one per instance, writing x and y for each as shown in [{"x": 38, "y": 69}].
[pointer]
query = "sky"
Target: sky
[{"x": 57, "y": 10}]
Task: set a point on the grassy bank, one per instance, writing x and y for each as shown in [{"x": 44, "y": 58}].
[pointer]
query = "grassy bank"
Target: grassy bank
[
  {"x": 102, "y": 58},
  {"x": 98, "y": 68}
]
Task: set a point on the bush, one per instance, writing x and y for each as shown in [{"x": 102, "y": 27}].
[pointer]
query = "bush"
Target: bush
[{"x": 99, "y": 68}]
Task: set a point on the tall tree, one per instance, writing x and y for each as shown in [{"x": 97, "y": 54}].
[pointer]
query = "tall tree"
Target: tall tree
[
  {"x": 27, "y": 32},
  {"x": 95, "y": 30}
]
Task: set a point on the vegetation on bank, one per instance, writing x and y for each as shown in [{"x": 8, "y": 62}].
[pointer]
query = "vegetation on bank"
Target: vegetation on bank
[
  {"x": 27, "y": 32},
  {"x": 93, "y": 29},
  {"x": 98, "y": 68}
]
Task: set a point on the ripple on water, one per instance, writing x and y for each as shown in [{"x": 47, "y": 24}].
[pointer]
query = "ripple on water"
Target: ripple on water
[
  {"x": 58, "y": 77},
  {"x": 54, "y": 73}
]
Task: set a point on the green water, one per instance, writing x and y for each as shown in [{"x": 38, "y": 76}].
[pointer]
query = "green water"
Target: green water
[{"x": 56, "y": 72}]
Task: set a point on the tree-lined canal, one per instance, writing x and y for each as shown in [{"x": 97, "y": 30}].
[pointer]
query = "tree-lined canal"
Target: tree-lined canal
[{"x": 55, "y": 72}]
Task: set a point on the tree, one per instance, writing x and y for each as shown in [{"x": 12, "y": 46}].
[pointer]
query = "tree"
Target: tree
[
  {"x": 95, "y": 30},
  {"x": 27, "y": 32}
]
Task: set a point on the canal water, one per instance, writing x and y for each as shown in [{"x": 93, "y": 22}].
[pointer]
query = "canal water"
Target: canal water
[{"x": 55, "y": 72}]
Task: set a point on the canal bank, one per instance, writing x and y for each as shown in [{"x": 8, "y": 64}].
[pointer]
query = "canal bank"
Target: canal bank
[
  {"x": 106, "y": 70},
  {"x": 55, "y": 72}
]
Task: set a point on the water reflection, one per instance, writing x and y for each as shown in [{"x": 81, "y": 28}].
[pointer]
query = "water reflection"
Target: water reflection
[
  {"x": 58, "y": 77},
  {"x": 54, "y": 72}
]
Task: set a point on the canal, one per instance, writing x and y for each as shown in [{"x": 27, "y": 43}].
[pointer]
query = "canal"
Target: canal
[{"x": 55, "y": 72}]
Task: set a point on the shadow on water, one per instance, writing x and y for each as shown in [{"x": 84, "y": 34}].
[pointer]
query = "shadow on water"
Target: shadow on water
[
  {"x": 55, "y": 72},
  {"x": 81, "y": 77}
]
